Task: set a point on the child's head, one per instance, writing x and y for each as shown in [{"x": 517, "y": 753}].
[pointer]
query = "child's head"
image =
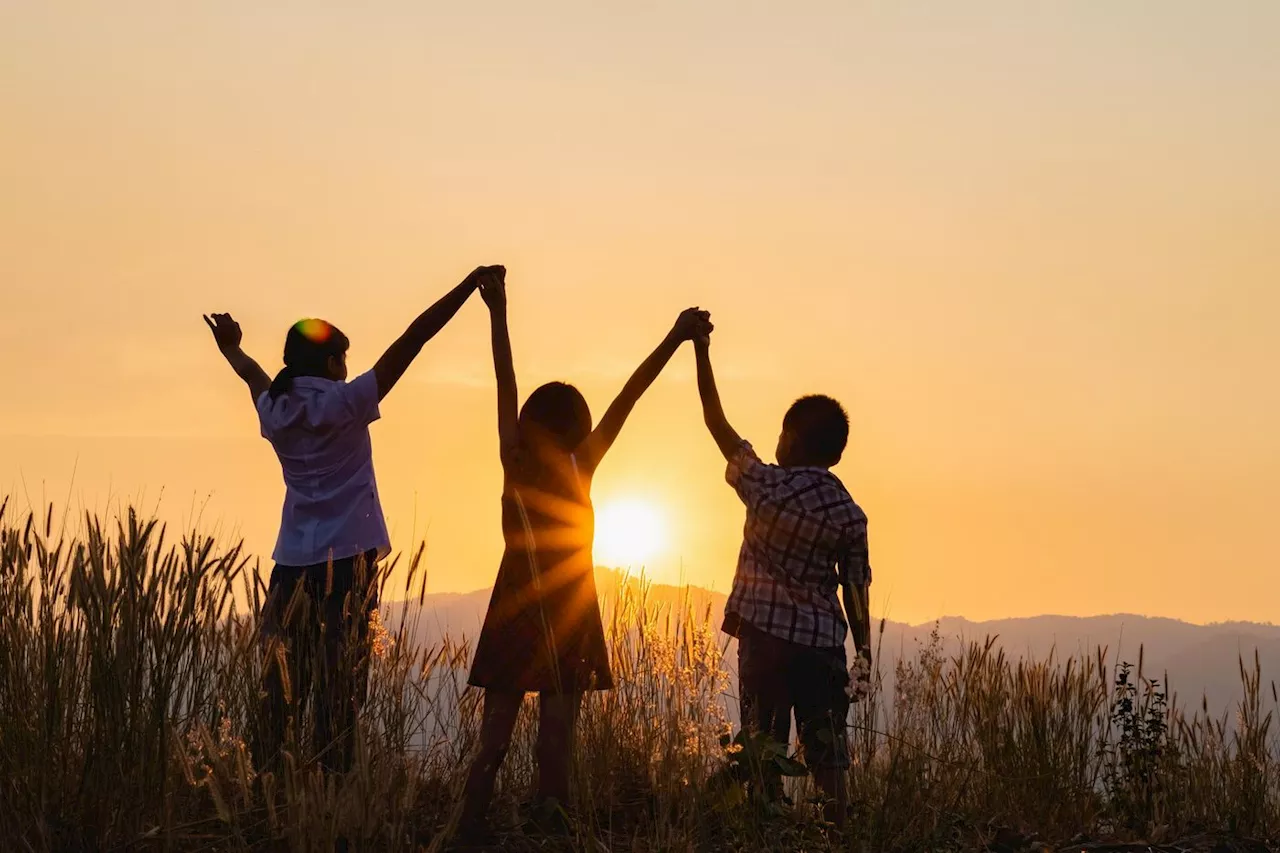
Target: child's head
[
  {"x": 558, "y": 413},
  {"x": 312, "y": 348},
  {"x": 814, "y": 432}
]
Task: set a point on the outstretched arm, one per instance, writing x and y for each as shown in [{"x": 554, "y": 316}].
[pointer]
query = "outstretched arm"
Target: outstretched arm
[
  {"x": 494, "y": 293},
  {"x": 227, "y": 335},
  {"x": 690, "y": 323},
  {"x": 396, "y": 360},
  {"x": 726, "y": 437}
]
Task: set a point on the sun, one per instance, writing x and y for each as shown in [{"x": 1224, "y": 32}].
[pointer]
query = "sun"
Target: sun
[{"x": 629, "y": 533}]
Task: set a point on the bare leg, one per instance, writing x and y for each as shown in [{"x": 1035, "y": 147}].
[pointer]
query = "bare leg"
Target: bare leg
[
  {"x": 500, "y": 712},
  {"x": 557, "y": 722}
]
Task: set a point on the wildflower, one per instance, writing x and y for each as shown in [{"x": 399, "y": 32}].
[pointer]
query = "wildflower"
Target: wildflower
[
  {"x": 859, "y": 687},
  {"x": 380, "y": 639}
]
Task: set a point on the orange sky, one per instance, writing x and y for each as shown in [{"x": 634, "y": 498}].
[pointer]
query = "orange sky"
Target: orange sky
[{"x": 1031, "y": 246}]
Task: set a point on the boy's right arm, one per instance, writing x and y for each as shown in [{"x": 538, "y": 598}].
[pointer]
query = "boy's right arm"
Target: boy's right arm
[
  {"x": 726, "y": 437},
  {"x": 227, "y": 335}
]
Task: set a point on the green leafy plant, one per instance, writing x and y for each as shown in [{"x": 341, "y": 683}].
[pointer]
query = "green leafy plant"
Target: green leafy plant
[
  {"x": 1140, "y": 714},
  {"x": 754, "y": 770}
]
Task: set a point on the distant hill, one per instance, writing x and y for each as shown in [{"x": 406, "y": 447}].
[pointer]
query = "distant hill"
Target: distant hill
[
  {"x": 1202, "y": 661},
  {"x": 1199, "y": 662}
]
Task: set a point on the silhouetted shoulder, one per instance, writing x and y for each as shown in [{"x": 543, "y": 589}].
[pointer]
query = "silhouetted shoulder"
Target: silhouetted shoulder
[
  {"x": 751, "y": 477},
  {"x": 516, "y": 459},
  {"x": 840, "y": 504}
]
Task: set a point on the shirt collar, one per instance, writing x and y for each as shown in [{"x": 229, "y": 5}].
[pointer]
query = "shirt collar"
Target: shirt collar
[{"x": 315, "y": 382}]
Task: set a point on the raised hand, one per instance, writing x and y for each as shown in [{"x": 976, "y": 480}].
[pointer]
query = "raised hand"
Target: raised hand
[
  {"x": 493, "y": 288},
  {"x": 227, "y": 335},
  {"x": 702, "y": 337},
  {"x": 692, "y": 323},
  {"x": 480, "y": 275},
  {"x": 226, "y": 331}
]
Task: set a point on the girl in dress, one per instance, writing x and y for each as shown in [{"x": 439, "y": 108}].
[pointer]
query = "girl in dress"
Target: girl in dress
[{"x": 543, "y": 631}]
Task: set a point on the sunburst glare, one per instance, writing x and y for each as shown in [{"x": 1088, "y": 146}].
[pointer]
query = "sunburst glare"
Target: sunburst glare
[{"x": 629, "y": 533}]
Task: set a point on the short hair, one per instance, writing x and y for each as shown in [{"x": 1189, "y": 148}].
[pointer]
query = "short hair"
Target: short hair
[
  {"x": 559, "y": 412},
  {"x": 820, "y": 427}
]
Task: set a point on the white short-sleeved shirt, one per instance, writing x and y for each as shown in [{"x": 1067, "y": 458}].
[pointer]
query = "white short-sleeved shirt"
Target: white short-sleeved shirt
[{"x": 320, "y": 432}]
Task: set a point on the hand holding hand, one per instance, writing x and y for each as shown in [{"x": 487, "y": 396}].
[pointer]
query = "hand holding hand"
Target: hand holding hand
[
  {"x": 493, "y": 288},
  {"x": 478, "y": 276},
  {"x": 692, "y": 323},
  {"x": 226, "y": 331},
  {"x": 702, "y": 338}
]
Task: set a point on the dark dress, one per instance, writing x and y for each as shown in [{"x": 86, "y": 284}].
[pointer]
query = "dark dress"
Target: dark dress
[{"x": 543, "y": 631}]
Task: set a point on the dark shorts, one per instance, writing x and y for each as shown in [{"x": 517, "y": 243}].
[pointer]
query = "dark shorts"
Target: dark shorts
[
  {"x": 334, "y": 592},
  {"x": 776, "y": 677}
]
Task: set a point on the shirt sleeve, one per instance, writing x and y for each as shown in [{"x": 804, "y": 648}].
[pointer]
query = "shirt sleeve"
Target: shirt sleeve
[
  {"x": 361, "y": 397},
  {"x": 263, "y": 405},
  {"x": 748, "y": 476},
  {"x": 855, "y": 560}
]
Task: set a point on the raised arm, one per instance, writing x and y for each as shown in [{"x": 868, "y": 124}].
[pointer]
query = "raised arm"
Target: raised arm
[
  {"x": 689, "y": 324},
  {"x": 396, "y": 360},
  {"x": 727, "y": 439},
  {"x": 227, "y": 335},
  {"x": 494, "y": 293}
]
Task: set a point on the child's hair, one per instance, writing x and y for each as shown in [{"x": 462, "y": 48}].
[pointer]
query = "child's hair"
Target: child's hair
[
  {"x": 307, "y": 350},
  {"x": 820, "y": 427},
  {"x": 557, "y": 412}
]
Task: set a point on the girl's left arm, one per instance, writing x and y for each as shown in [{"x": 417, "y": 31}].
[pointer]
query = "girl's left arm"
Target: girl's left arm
[{"x": 691, "y": 323}]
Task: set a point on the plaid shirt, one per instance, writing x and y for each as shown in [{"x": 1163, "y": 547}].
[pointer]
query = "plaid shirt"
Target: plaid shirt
[{"x": 801, "y": 523}]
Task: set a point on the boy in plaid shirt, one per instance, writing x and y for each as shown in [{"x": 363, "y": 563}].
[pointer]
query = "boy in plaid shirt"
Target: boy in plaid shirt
[{"x": 804, "y": 548}]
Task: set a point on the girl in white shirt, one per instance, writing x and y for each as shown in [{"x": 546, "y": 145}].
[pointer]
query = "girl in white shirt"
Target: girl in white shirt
[{"x": 332, "y": 531}]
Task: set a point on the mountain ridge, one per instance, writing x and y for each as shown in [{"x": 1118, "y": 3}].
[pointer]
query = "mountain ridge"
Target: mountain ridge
[{"x": 1197, "y": 660}]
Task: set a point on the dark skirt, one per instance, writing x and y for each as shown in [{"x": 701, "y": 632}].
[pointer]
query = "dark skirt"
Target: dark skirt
[{"x": 543, "y": 631}]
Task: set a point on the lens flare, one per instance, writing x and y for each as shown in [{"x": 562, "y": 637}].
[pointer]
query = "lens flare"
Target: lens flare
[{"x": 316, "y": 331}]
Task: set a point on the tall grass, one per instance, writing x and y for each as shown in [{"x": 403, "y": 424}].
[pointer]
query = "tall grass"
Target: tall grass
[{"x": 130, "y": 682}]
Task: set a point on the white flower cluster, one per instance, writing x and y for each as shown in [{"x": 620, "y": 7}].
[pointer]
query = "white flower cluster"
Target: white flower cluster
[{"x": 859, "y": 679}]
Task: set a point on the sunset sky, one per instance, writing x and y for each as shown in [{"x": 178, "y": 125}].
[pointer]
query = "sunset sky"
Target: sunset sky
[{"x": 1034, "y": 247}]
